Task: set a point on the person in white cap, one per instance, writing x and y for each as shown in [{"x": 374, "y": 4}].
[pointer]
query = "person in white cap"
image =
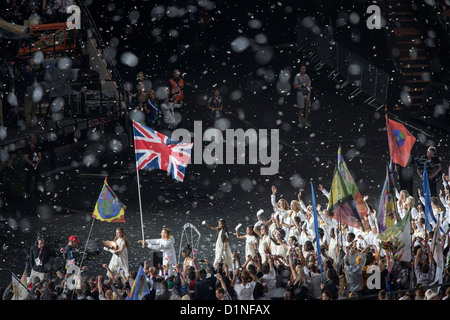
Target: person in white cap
[{"x": 431, "y": 294}]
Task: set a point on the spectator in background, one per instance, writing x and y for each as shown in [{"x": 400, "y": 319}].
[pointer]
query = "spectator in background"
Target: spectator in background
[
  {"x": 153, "y": 120},
  {"x": 176, "y": 88},
  {"x": 28, "y": 81},
  {"x": 215, "y": 104},
  {"x": 354, "y": 270},
  {"x": 168, "y": 111},
  {"x": 140, "y": 82},
  {"x": 302, "y": 83},
  {"x": 1, "y": 100},
  {"x": 434, "y": 168},
  {"x": 32, "y": 156},
  {"x": 142, "y": 107},
  {"x": 39, "y": 260}
]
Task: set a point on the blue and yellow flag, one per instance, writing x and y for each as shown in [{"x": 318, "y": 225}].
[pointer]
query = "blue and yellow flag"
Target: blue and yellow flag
[
  {"x": 387, "y": 212},
  {"x": 108, "y": 207},
  {"x": 428, "y": 210},
  {"x": 140, "y": 288}
]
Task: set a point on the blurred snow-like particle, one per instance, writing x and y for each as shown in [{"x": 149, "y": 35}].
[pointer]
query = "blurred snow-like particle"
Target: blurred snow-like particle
[
  {"x": 308, "y": 22},
  {"x": 261, "y": 38},
  {"x": 115, "y": 145},
  {"x": 246, "y": 184},
  {"x": 405, "y": 97},
  {"x": 264, "y": 55},
  {"x": 254, "y": 23},
  {"x": 3, "y": 132},
  {"x": 64, "y": 63},
  {"x": 4, "y": 155},
  {"x": 57, "y": 105},
  {"x": 315, "y": 105},
  {"x": 283, "y": 87},
  {"x": 38, "y": 57},
  {"x": 441, "y": 109},
  {"x": 222, "y": 124},
  {"x": 354, "y": 69},
  {"x": 354, "y": 18},
  {"x": 134, "y": 16},
  {"x": 157, "y": 12},
  {"x": 174, "y": 33},
  {"x": 44, "y": 212},
  {"x": 297, "y": 181},
  {"x": 38, "y": 93},
  {"x": 89, "y": 160},
  {"x": 206, "y": 4},
  {"x": 240, "y": 44},
  {"x": 226, "y": 187},
  {"x": 129, "y": 59},
  {"x": 156, "y": 32},
  {"x": 13, "y": 224},
  {"x": 161, "y": 93},
  {"x": 12, "y": 99},
  {"x": 25, "y": 225},
  {"x": 284, "y": 75},
  {"x": 236, "y": 95},
  {"x": 94, "y": 135},
  {"x": 172, "y": 12}
]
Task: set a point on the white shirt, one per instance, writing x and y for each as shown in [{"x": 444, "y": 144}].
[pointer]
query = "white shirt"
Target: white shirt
[
  {"x": 245, "y": 292},
  {"x": 271, "y": 282}
]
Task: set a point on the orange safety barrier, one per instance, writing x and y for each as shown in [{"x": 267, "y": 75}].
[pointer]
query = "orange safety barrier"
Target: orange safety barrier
[{"x": 52, "y": 37}]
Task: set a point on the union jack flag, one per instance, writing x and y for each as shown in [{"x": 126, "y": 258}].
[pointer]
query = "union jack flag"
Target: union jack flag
[{"x": 154, "y": 150}]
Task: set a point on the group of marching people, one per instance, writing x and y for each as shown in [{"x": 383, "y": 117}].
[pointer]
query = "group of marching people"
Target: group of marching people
[
  {"x": 280, "y": 260},
  {"x": 286, "y": 241}
]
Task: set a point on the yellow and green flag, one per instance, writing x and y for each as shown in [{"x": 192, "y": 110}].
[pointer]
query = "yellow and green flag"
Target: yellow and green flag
[
  {"x": 397, "y": 239},
  {"x": 351, "y": 185},
  {"x": 108, "y": 207},
  {"x": 342, "y": 203}
]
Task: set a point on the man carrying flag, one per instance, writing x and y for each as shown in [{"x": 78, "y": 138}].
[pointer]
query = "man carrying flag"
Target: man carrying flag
[
  {"x": 434, "y": 167},
  {"x": 430, "y": 220},
  {"x": 400, "y": 141}
]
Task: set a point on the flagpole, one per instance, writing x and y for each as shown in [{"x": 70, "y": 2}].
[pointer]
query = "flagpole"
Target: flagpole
[
  {"x": 139, "y": 192},
  {"x": 140, "y": 202},
  {"x": 84, "y": 253},
  {"x": 20, "y": 281}
]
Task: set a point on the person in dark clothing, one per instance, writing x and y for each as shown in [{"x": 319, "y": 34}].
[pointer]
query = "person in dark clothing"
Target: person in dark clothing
[
  {"x": 32, "y": 157},
  {"x": 71, "y": 254},
  {"x": 215, "y": 104},
  {"x": 165, "y": 293},
  {"x": 434, "y": 168},
  {"x": 28, "y": 81},
  {"x": 6, "y": 186},
  {"x": 205, "y": 287},
  {"x": 331, "y": 284},
  {"x": 39, "y": 260},
  {"x": 153, "y": 116},
  {"x": 405, "y": 176}
]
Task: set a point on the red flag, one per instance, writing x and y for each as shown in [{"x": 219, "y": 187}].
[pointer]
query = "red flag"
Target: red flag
[{"x": 400, "y": 142}]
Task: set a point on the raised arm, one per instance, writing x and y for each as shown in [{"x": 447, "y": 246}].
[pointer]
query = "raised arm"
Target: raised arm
[{"x": 208, "y": 225}]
